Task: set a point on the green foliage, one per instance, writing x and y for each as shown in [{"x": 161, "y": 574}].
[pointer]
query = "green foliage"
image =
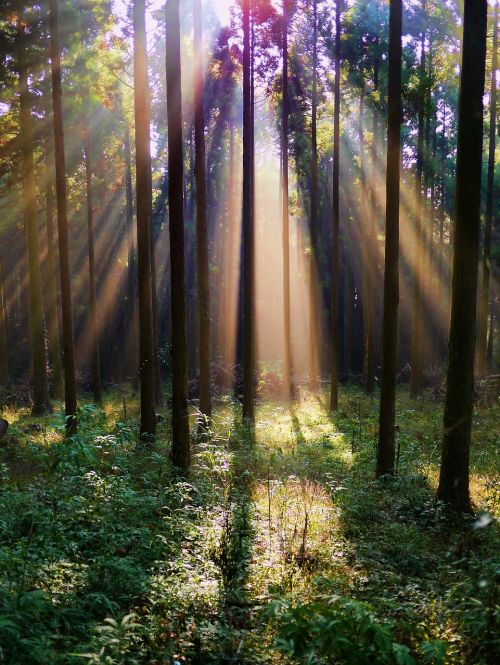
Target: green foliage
[
  {"x": 279, "y": 545},
  {"x": 339, "y": 630}
]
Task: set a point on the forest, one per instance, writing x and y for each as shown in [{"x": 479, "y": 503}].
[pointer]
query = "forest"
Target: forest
[{"x": 249, "y": 332}]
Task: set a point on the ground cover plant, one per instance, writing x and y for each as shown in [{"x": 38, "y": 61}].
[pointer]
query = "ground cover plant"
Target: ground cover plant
[{"x": 278, "y": 547}]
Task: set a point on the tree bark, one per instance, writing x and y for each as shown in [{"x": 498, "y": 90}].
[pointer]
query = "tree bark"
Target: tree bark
[
  {"x": 248, "y": 228},
  {"x": 131, "y": 269},
  {"x": 482, "y": 361},
  {"x": 143, "y": 213},
  {"x": 285, "y": 111},
  {"x": 334, "y": 372},
  {"x": 372, "y": 253},
  {"x": 94, "y": 328},
  {"x": 52, "y": 318},
  {"x": 180, "y": 416},
  {"x": 387, "y": 416},
  {"x": 454, "y": 474},
  {"x": 62, "y": 224},
  {"x": 4, "y": 357},
  {"x": 417, "y": 308},
  {"x": 41, "y": 401},
  {"x": 204, "y": 323}
]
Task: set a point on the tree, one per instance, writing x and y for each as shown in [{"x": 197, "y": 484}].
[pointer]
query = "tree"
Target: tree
[
  {"x": 143, "y": 194},
  {"x": 371, "y": 254},
  {"x": 287, "y": 351},
  {"x": 51, "y": 297},
  {"x": 313, "y": 272},
  {"x": 387, "y": 415},
  {"x": 4, "y": 359},
  {"x": 334, "y": 378},
  {"x": 418, "y": 310},
  {"x": 454, "y": 473},
  {"x": 482, "y": 361},
  {"x": 62, "y": 223},
  {"x": 41, "y": 401},
  {"x": 180, "y": 415},
  {"x": 94, "y": 329},
  {"x": 204, "y": 324},
  {"x": 248, "y": 411}
]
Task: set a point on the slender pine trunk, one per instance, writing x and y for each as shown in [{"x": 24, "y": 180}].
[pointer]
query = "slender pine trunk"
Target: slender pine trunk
[
  {"x": 62, "y": 223},
  {"x": 482, "y": 360},
  {"x": 387, "y": 415},
  {"x": 285, "y": 111},
  {"x": 313, "y": 277},
  {"x": 52, "y": 318},
  {"x": 4, "y": 354},
  {"x": 181, "y": 454},
  {"x": 204, "y": 323},
  {"x": 94, "y": 327},
  {"x": 454, "y": 473},
  {"x": 334, "y": 371},
  {"x": 417, "y": 306},
  {"x": 132, "y": 366},
  {"x": 143, "y": 213},
  {"x": 248, "y": 228}
]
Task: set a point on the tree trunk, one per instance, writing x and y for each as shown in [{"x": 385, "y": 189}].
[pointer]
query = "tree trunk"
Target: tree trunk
[
  {"x": 131, "y": 269},
  {"x": 285, "y": 110},
  {"x": 180, "y": 415},
  {"x": 94, "y": 328},
  {"x": 41, "y": 401},
  {"x": 454, "y": 474},
  {"x": 4, "y": 357},
  {"x": 52, "y": 318},
  {"x": 482, "y": 362},
  {"x": 143, "y": 213},
  {"x": 204, "y": 324},
  {"x": 62, "y": 224},
  {"x": 372, "y": 253},
  {"x": 417, "y": 308},
  {"x": 387, "y": 416},
  {"x": 248, "y": 228},
  {"x": 334, "y": 372}
]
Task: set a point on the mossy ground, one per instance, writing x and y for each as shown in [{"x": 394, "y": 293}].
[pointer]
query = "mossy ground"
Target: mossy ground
[{"x": 106, "y": 557}]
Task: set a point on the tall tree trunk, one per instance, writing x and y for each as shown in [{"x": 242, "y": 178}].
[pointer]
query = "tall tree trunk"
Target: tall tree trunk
[
  {"x": 62, "y": 223},
  {"x": 387, "y": 416},
  {"x": 334, "y": 372},
  {"x": 131, "y": 269},
  {"x": 372, "y": 253},
  {"x": 94, "y": 328},
  {"x": 482, "y": 363},
  {"x": 313, "y": 291},
  {"x": 285, "y": 110},
  {"x": 143, "y": 213},
  {"x": 154, "y": 300},
  {"x": 248, "y": 228},
  {"x": 4, "y": 357},
  {"x": 454, "y": 474},
  {"x": 180, "y": 415},
  {"x": 41, "y": 401},
  {"x": 204, "y": 324},
  {"x": 52, "y": 318},
  {"x": 417, "y": 307}
]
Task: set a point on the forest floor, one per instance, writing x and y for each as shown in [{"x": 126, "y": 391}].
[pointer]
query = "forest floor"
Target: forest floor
[{"x": 280, "y": 547}]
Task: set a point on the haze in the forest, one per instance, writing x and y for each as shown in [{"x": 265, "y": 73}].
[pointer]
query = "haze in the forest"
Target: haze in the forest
[{"x": 249, "y": 331}]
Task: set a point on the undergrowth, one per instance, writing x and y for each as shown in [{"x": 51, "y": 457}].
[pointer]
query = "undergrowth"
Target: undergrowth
[{"x": 279, "y": 547}]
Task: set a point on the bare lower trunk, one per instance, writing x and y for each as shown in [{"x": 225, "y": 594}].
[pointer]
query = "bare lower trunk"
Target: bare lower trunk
[
  {"x": 143, "y": 194},
  {"x": 387, "y": 416},
  {"x": 204, "y": 324},
  {"x": 181, "y": 455},
  {"x": 94, "y": 328},
  {"x": 454, "y": 474}
]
